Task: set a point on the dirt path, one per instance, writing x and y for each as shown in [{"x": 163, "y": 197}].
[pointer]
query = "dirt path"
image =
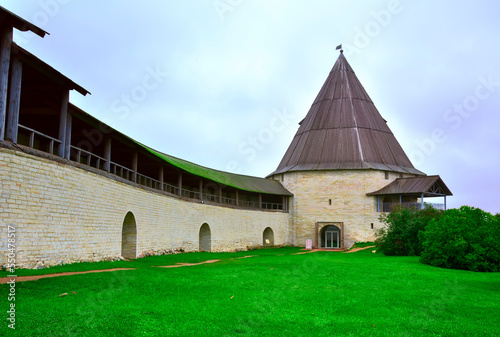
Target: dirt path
[
  {"x": 181, "y": 264},
  {"x": 4, "y": 280},
  {"x": 358, "y": 249}
]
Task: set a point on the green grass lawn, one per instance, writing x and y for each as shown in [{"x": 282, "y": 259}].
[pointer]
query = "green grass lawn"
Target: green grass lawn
[{"x": 273, "y": 294}]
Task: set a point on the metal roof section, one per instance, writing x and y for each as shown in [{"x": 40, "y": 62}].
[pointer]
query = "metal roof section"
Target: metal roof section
[
  {"x": 429, "y": 186},
  {"x": 10, "y": 19},
  {"x": 344, "y": 130},
  {"x": 242, "y": 182},
  {"x": 47, "y": 70}
]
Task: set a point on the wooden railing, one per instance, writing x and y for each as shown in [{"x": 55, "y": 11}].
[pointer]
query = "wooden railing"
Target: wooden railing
[
  {"x": 390, "y": 206},
  {"x": 42, "y": 142},
  {"x": 52, "y": 144},
  {"x": 170, "y": 189},
  {"x": 190, "y": 194},
  {"x": 121, "y": 171},
  {"x": 86, "y": 157},
  {"x": 147, "y": 181},
  {"x": 250, "y": 204},
  {"x": 271, "y": 205}
]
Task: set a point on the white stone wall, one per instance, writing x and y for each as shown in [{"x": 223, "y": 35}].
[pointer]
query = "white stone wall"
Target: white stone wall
[
  {"x": 347, "y": 190},
  {"x": 63, "y": 214}
]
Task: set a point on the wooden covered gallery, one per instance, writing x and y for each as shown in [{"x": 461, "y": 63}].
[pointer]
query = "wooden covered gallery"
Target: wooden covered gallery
[
  {"x": 75, "y": 189},
  {"x": 36, "y": 115}
]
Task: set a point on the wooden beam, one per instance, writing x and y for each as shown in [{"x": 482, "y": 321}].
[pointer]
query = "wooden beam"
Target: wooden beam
[
  {"x": 161, "y": 177},
  {"x": 260, "y": 200},
  {"x": 63, "y": 120},
  {"x": 67, "y": 140},
  {"x": 107, "y": 154},
  {"x": 220, "y": 194},
  {"x": 16, "y": 76},
  {"x": 135, "y": 160},
  {"x": 237, "y": 198},
  {"x": 5, "y": 45},
  {"x": 179, "y": 183},
  {"x": 201, "y": 190}
]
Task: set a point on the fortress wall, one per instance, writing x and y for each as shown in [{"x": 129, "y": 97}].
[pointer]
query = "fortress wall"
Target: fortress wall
[
  {"x": 349, "y": 204},
  {"x": 63, "y": 213}
]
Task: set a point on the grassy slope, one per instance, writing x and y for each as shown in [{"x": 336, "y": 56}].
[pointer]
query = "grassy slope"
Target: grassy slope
[{"x": 321, "y": 294}]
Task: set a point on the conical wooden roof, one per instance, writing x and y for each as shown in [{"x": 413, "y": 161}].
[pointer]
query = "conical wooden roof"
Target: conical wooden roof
[{"x": 344, "y": 130}]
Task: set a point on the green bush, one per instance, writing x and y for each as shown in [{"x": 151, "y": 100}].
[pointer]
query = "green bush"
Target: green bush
[
  {"x": 466, "y": 238},
  {"x": 401, "y": 235}
]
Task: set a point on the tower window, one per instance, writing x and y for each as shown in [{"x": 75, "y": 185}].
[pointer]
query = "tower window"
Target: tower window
[
  {"x": 330, "y": 201},
  {"x": 386, "y": 175},
  {"x": 371, "y": 225}
]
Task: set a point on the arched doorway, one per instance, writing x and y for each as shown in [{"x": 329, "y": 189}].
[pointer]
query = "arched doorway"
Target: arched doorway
[
  {"x": 330, "y": 237},
  {"x": 268, "y": 237},
  {"x": 129, "y": 237},
  {"x": 205, "y": 238}
]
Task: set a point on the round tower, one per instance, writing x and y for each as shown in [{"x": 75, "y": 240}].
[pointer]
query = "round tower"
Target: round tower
[{"x": 342, "y": 151}]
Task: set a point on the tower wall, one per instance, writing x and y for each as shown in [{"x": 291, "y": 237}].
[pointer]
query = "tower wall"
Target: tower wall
[{"x": 347, "y": 190}]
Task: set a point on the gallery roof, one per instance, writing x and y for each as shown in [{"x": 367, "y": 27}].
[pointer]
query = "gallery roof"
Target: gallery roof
[{"x": 429, "y": 186}]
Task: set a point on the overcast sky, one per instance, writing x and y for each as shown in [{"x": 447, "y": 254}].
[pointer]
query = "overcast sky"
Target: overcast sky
[{"x": 224, "y": 83}]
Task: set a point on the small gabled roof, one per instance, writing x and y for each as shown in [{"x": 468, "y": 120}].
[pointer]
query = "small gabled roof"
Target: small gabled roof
[
  {"x": 7, "y": 18},
  {"x": 430, "y": 186},
  {"x": 343, "y": 130},
  {"x": 47, "y": 70}
]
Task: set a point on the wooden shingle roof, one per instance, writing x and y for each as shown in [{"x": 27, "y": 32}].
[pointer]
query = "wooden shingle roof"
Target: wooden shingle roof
[
  {"x": 344, "y": 130},
  {"x": 7, "y": 18},
  {"x": 430, "y": 186}
]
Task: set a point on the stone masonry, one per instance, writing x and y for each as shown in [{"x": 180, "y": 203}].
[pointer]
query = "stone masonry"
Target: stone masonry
[
  {"x": 347, "y": 190},
  {"x": 65, "y": 214}
]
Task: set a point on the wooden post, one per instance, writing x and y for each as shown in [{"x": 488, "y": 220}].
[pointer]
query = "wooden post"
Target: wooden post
[
  {"x": 201, "y": 190},
  {"x": 14, "y": 100},
  {"x": 5, "y": 46},
  {"x": 63, "y": 120},
  {"x": 67, "y": 145},
  {"x": 220, "y": 194},
  {"x": 107, "y": 154},
  {"x": 180, "y": 184},
  {"x": 134, "y": 166},
  {"x": 285, "y": 202},
  {"x": 260, "y": 200},
  {"x": 237, "y": 197},
  {"x": 160, "y": 173}
]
